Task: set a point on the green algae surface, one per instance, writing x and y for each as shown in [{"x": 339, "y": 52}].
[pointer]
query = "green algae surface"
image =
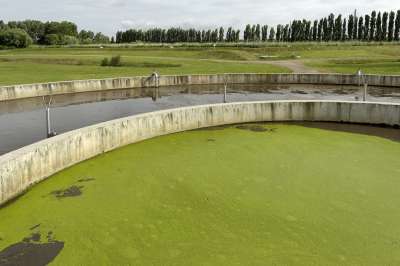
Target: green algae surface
[{"x": 286, "y": 195}]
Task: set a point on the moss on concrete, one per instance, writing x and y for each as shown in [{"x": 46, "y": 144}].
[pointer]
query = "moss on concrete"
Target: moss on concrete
[{"x": 289, "y": 195}]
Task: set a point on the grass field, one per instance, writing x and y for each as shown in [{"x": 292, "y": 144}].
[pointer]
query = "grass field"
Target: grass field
[
  {"x": 227, "y": 196},
  {"x": 40, "y": 64},
  {"x": 54, "y": 64}
]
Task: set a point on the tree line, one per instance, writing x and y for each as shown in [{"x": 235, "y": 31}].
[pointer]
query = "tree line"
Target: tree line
[
  {"x": 23, "y": 33},
  {"x": 173, "y": 35},
  {"x": 377, "y": 26}
]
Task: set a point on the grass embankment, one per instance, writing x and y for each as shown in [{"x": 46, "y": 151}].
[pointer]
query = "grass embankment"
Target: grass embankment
[
  {"x": 54, "y": 64},
  {"x": 288, "y": 196},
  {"x": 369, "y": 66}
]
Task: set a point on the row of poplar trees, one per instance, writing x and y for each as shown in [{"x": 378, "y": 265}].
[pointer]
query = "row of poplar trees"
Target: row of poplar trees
[
  {"x": 377, "y": 26},
  {"x": 173, "y": 35}
]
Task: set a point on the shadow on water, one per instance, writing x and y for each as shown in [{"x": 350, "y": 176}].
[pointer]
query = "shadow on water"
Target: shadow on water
[{"x": 370, "y": 130}]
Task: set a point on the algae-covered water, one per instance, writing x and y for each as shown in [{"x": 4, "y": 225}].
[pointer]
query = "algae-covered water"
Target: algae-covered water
[{"x": 266, "y": 194}]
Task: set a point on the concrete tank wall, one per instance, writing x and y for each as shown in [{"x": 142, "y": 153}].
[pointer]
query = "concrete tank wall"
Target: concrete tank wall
[
  {"x": 22, "y": 168},
  {"x": 37, "y": 90}
]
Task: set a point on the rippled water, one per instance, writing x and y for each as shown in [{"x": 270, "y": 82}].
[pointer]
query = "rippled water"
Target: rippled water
[{"x": 22, "y": 122}]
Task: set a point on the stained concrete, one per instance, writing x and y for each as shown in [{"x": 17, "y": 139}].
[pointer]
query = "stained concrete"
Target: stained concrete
[
  {"x": 22, "y": 168},
  {"x": 55, "y": 88}
]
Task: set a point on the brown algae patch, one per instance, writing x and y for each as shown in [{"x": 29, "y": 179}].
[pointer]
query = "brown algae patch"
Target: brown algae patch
[
  {"x": 255, "y": 128},
  {"x": 30, "y": 251},
  {"x": 390, "y": 133},
  {"x": 73, "y": 191},
  {"x": 87, "y": 179}
]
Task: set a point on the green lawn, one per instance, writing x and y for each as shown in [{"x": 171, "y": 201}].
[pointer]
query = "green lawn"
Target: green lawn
[
  {"x": 38, "y": 64},
  {"x": 54, "y": 64},
  {"x": 227, "y": 196}
]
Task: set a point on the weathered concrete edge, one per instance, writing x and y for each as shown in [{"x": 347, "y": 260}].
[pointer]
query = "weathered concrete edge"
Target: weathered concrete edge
[
  {"x": 65, "y": 87},
  {"x": 22, "y": 168}
]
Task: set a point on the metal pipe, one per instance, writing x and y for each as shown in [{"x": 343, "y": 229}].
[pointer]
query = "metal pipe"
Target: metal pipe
[
  {"x": 225, "y": 98},
  {"x": 156, "y": 92},
  {"x": 50, "y": 133},
  {"x": 48, "y": 122},
  {"x": 225, "y": 88},
  {"x": 156, "y": 79},
  {"x": 362, "y": 79},
  {"x": 365, "y": 92}
]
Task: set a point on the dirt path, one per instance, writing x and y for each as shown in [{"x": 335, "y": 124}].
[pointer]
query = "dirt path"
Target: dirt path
[{"x": 295, "y": 65}]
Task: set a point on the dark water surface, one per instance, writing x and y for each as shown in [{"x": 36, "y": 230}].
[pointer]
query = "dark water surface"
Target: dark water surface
[{"x": 22, "y": 122}]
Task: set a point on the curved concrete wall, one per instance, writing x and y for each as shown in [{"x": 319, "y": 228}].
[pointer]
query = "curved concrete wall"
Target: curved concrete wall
[
  {"x": 37, "y": 90},
  {"x": 22, "y": 168}
]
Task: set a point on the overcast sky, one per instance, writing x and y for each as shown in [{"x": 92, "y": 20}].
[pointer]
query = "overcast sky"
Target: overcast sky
[{"x": 108, "y": 16}]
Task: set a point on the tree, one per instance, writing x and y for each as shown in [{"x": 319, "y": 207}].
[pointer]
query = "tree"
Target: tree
[
  {"x": 214, "y": 35},
  {"x": 372, "y": 26},
  {"x": 391, "y": 26},
  {"x": 3, "y": 26},
  {"x": 350, "y": 27},
  {"x": 380, "y": 26},
  {"x": 67, "y": 40},
  {"x": 331, "y": 25},
  {"x": 397, "y": 26},
  {"x": 237, "y": 36},
  {"x": 51, "y": 39},
  {"x": 315, "y": 30},
  {"x": 101, "y": 38},
  {"x": 385, "y": 17},
  {"x": 247, "y": 33},
  {"x": 337, "y": 31},
  {"x": 285, "y": 33},
  {"x": 378, "y": 35},
  {"x": 16, "y": 38},
  {"x": 279, "y": 33},
  {"x": 344, "y": 36},
  {"x": 61, "y": 28},
  {"x": 272, "y": 34},
  {"x": 355, "y": 29},
  {"x": 366, "y": 27},
  {"x": 307, "y": 30},
  {"x": 253, "y": 33},
  {"x": 87, "y": 37},
  {"x": 221, "y": 36},
  {"x": 258, "y": 33},
  {"x": 325, "y": 34},
  {"x": 360, "y": 34},
  {"x": 35, "y": 29},
  {"x": 319, "y": 34},
  {"x": 264, "y": 33}
]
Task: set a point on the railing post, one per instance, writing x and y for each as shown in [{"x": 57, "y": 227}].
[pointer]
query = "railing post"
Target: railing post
[
  {"x": 362, "y": 79},
  {"x": 225, "y": 88}
]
